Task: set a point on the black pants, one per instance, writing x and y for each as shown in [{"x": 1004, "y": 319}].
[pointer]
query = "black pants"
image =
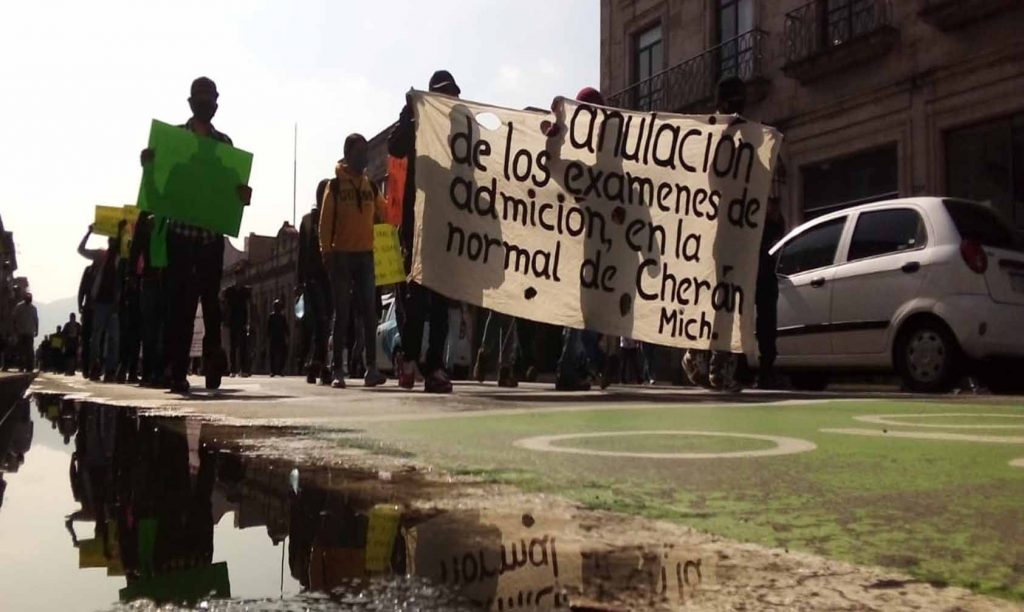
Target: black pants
[
  {"x": 767, "y": 321},
  {"x": 278, "y": 354},
  {"x": 316, "y": 323},
  {"x": 421, "y": 305},
  {"x": 154, "y": 315},
  {"x": 193, "y": 276},
  {"x": 86, "y": 340},
  {"x": 129, "y": 318},
  {"x": 239, "y": 347},
  {"x": 26, "y": 354}
]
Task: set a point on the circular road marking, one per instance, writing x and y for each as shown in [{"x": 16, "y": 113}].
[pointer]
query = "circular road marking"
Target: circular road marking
[
  {"x": 783, "y": 446},
  {"x": 890, "y": 420}
]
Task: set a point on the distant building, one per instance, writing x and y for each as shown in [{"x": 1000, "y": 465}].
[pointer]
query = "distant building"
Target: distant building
[
  {"x": 268, "y": 264},
  {"x": 876, "y": 98}
]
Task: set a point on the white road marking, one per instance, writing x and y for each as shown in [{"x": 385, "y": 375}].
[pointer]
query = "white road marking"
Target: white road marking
[
  {"x": 783, "y": 446},
  {"x": 890, "y": 420},
  {"x": 928, "y": 435}
]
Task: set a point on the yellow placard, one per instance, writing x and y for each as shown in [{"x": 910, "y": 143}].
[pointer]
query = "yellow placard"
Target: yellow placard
[
  {"x": 108, "y": 218},
  {"x": 380, "y": 536},
  {"x": 387, "y": 255}
]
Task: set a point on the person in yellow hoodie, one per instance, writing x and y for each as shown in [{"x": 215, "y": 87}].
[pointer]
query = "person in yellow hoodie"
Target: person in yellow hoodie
[{"x": 350, "y": 206}]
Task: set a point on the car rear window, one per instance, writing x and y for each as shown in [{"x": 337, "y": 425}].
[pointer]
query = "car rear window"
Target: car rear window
[{"x": 980, "y": 224}]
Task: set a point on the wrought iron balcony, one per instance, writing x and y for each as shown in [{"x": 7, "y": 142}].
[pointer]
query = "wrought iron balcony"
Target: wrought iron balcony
[
  {"x": 823, "y": 37},
  {"x": 952, "y": 14},
  {"x": 689, "y": 84}
]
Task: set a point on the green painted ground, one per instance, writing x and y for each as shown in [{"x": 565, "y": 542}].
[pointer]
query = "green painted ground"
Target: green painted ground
[{"x": 943, "y": 511}]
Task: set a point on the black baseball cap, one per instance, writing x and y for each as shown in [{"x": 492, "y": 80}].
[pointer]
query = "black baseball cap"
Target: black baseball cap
[{"x": 441, "y": 79}]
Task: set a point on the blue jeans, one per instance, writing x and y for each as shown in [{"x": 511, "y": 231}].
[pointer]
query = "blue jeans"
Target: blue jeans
[
  {"x": 353, "y": 284},
  {"x": 105, "y": 337}
]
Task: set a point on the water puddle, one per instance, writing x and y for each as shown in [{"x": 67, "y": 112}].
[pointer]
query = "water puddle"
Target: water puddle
[{"x": 105, "y": 507}]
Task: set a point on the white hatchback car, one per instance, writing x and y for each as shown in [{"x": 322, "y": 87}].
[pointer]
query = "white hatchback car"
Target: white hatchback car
[{"x": 925, "y": 287}]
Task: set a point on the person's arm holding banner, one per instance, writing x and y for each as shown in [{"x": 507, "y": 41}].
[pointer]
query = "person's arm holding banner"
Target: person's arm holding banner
[
  {"x": 90, "y": 254},
  {"x": 401, "y": 140}
]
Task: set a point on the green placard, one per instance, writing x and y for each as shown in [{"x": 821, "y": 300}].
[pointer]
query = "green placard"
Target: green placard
[{"x": 194, "y": 179}]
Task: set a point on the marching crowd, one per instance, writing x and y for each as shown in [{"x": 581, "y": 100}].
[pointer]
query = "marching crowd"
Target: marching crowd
[{"x": 138, "y": 298}]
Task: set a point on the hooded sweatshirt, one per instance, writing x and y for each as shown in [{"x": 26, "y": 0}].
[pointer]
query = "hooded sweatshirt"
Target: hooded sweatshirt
[{"x": 351, "y": 203}]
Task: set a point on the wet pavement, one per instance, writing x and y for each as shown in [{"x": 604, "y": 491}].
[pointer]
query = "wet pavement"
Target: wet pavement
[
  {"x": 106, "y": 505},
  {"x": 122, "y": 498}
]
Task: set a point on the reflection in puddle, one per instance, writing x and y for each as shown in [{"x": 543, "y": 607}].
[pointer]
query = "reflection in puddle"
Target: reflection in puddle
[{"x": 170, "y": 511}]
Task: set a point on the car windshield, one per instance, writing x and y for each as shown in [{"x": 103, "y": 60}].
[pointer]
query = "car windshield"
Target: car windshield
[{"x": 981, "y": 224}]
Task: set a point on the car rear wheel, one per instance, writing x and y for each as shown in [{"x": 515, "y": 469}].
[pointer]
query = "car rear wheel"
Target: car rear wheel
[
  {"x": 927, "y": 357},
  {"x": 808, "y": 381}
]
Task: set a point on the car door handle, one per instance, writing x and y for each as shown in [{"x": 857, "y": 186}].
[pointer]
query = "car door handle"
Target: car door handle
[
  {"x": 911, "y": 266},
  {"x": 818, "y": 282}
]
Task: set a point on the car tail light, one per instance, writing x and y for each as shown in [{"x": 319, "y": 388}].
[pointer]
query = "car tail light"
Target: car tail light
[{"x": 974, "y": 256}]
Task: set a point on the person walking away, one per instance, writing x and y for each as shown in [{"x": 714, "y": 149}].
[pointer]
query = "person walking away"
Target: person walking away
[
  {"x": 717, "y": 369},
  {"x": 149, "y": 263},
  {"x": 315, "y": 289},
  {"x": 85, "y": 309},
  {"x": 129, "y": 315},
  {"x": 105, "y": 332},
  {"x": 56, "y": 353},
  {"x": 236, "y": 298},
  {"x": 501, "y": 338},
  {"x": 277, "y": 331},
  {"x": 767, "y": 297},
  {"x": 26, "y": 328},
  {"x": 195, "y": 263},
  {"x": 419, "y": 305},
  {"x": 351, "y": 203},
  {"x": 71, "y": 334}
]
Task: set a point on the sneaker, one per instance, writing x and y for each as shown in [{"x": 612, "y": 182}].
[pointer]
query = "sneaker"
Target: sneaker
[
  {"x": 338, "y": 382},
  {"x": 311, "y": 371},
  {"x": 507, "y": 377},
  {"x": 437, "y": 382},
  {"x": 406, "y": 374},
  {"x": 374, "y": 378},
  {"x": 325, "y": 377}
]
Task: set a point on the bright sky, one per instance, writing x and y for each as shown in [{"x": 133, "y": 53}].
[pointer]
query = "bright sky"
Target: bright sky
[{"x": 82, "y": 80}]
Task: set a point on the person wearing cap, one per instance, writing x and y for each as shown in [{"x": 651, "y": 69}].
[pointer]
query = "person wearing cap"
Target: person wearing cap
[
  {"x": 419, "y": 305},
  {"x": 195, "y": 260},
  {"x": 350, "y": 207},
  {"x": 26, "y": 328}
]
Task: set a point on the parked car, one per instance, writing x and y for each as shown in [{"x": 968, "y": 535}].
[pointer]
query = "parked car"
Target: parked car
[{"x": 930, "y": 288}]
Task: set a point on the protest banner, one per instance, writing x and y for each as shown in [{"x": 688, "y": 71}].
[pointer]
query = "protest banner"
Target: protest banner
[
  {"x": 194, "y": 179},
  {"x": 387, "y": 255},
  {"x": 108, "y": 218},
  {"x": 395, "y": 192},
  {"x": 642, "y": 225}
]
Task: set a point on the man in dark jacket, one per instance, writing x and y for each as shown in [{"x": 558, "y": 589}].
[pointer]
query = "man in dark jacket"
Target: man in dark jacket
[
  {"x": 236, "y": 298},
  {"x": 85, "y": 309},
  {"x": 316, "y": 294},
  {"x": 195, "y": 263},
  {"x": 767, "y": 296},
  {"x": 419, "y": 304}
]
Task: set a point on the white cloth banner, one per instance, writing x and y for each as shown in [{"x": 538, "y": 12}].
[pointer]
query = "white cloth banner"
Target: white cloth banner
[{"x": 642, "y": 225}]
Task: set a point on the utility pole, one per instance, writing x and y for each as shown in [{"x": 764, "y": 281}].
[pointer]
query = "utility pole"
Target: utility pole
[{"x": 295, "y": 168}]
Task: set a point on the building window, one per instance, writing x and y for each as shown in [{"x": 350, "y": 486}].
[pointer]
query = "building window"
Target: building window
[
  {"x": 649, "y": 62},
  {"x": 986, "y": 163},
  {"x": 735, "y": 18},
  {"x": 847, "y": 19},
  {"x": 867, "y": 176}
]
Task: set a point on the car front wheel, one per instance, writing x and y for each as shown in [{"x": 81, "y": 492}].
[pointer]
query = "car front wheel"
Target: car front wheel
[{"x": 927, "y": 357}]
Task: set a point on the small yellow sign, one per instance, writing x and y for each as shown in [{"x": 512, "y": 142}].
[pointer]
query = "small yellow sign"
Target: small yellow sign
[
  {"x": 108, "y": 218},
  {"x": 380, "y": 536},
  {"x": 387, "y": 255}
]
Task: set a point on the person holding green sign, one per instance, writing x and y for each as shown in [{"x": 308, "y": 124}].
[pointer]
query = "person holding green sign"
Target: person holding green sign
[
  {"x": 195, "y": 258},
  {"x": 351, "y": 203}
]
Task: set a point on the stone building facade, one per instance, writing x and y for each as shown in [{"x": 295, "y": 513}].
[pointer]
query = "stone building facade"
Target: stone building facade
[{"x": 876, "y": 98}]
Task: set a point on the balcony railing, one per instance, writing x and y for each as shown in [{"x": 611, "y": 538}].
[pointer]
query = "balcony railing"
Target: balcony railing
[
  {"x": 693, "y": 81},
  {"x": 822, "y": 28}
]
